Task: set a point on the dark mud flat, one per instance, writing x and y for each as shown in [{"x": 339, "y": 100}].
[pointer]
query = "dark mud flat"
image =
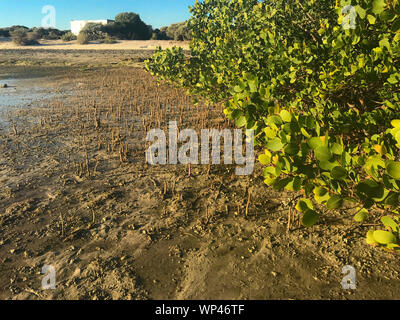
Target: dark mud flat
[{"x": 76, "y": 193}]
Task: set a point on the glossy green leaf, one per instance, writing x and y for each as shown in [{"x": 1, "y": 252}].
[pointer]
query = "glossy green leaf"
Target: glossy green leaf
[
  {"x": 393, "y": 169},
  {"x": 389, "y": 222},
  {"x": 323, "y": 154},
  {"x": 361, "y": 215},
  {"x": 384, "y": 237},
  {"x": 334, "y": 202},
  {"x": 286, "y": 116},
  {"x": 275, "y": 144},
  {"x": 338, "y": 173},
  {"x": 310, "y": 217}
]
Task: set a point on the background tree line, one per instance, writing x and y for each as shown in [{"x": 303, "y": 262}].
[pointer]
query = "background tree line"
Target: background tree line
[{"x": 126, "y": 26}]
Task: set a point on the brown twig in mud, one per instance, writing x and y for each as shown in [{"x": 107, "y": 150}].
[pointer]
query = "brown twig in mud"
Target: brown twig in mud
[
  {"x": 173, "y": 187},
  {"x": 29, "y": 290},
  {"x": 86, "y": 156},
  {"x": 62, "y": 225},
  {"x": 207, "y": 220},
  {"x": 165, "y": 188},
  {"x": 95, "y": 166},
  {"x": 248, "y": 203},
  {"x": 14, "y": 129},
  {"x": 289, "y": 220},
  {"x": 189, "y": 234}
]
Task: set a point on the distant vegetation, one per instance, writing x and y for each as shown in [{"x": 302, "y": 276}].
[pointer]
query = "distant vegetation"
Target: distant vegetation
[
  {"x": 129, "y": 26},
  {"x": 83, "y": 38},
  {"x": 126, "y": 26},
  {"x": 69, "y": 36},
  {"x": 176, "y": 31},
  {"x": 22, "y": 37}
]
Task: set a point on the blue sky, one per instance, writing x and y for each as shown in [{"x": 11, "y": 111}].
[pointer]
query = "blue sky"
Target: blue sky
[{"x": 158, "y": 13}]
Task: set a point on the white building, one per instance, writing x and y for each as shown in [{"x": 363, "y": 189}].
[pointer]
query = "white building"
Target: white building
[{"x": 78, "y": 25}]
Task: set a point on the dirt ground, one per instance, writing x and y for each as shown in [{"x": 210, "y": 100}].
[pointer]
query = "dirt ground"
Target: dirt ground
[{"x": 76, "y": 193}]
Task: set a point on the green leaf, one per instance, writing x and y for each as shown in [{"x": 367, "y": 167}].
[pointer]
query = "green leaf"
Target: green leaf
[
  {"x": 264, "y": 159},
  {"x": 384, "y": 237},
  {"x": 337, "y": 149},
  {"x": 310, "y": 218},
  {"x": 286, "y": 116},
  {"x": 303, "y": 205},
  {"x": 384, "y": 43},
  {"x": 370, "y": 238},
  {"x": 269, "y": 171},
  {"x": 292, "y": 149},
  {"x": 322, "y": 199},
  {"x": 275, "y": 145},
  {"x": 338, "y": 173},
  {"x": 320, "y": 192},
  {"x": 396, "y": 123},
  {"x": 274, "y": 120},
  {"x": 297, "y": 183},
  {"x": 334, "y": 202},
  {"x": 238, "y": 89},
  {"x": 315, "y": 142},
  {"x": 371, "y": 19},
  {"x": 323, "y": 154},
  {"x": 269, "y": 181},
  {"x": 389, "y": 222},
  {"x": 369, "y": 189},
  {"x": 253, "y": 85},
  {"x": 327, "y": 165},
  {"x": 281, "y": 183},
  {"x": 393, "y": 169},
  {"x": 361, "y": 12},
  {"x": 392, "y": 246},
  {"x": 361, "y": 215},
  {"x": 378, "y": 6},
  {"x": 305, "y": 133},
  {"x": 240, "y": 122},
  {"x": 392, "y": 199}
]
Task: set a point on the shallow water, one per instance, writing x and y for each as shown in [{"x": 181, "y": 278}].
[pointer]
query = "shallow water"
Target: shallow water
[{"x": 21, "y": 93}]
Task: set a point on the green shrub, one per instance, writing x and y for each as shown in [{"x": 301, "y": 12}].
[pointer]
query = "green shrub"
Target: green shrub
[
  {"x": 69, "y": 36},
  {"x": 109, "y": 40},
  {"x": 129, "y": 25},
  {"x": 160, "y": 34},
  {"x": 83, "y": 38},
  {"x": 179, "y": 32},
  {"x": 21, "y": 37},
  {"x": 94, "y": 31},
  {"x": 318, "y": 81}
]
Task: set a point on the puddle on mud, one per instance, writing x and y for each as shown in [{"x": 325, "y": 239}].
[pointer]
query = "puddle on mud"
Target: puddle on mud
[{"x": 22, "y": 93}]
